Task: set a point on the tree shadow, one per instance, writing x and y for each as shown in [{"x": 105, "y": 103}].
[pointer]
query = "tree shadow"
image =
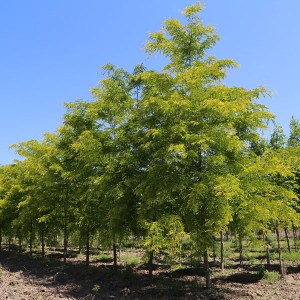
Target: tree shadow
[
  {"x": 293, "y": 269},
  {"x": 103, "y": 281},
  {"x": 99, "y": 281},
  {"x": 244, "y": 278}
]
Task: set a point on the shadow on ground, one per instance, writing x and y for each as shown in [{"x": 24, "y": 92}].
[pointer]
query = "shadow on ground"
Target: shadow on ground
[{"x": 103, "y": 281}]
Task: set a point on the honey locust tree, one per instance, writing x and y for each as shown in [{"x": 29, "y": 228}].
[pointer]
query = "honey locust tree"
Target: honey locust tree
[
  {"x": 91, "y": 137},
  {"x": 11, "y": 195},
  {"x": 79, "y": 204},
  {"x": 50, "y": 190},
  {"x": 39, "y": 180},
  {"x": 115, "y": 99},
  {"x": 191, "y": 132},
  {"x": 294, "y": 141}
]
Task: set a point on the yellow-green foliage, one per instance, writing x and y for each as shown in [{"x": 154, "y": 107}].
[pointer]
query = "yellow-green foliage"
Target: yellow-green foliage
[{"x": 165, "y": 234}]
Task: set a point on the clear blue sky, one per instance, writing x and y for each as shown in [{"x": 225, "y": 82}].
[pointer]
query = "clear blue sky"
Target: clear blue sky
[{"x": 51, "y": 53}]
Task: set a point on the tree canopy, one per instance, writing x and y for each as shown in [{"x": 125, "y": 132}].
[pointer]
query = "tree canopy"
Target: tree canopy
[{"x": 163, "y": 154}]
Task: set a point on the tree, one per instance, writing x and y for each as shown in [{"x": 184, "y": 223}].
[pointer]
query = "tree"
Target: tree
[
  {"x": 294, "y": 138},
  {"x": 294, "y": 141},
  {"x": 191, "y": 132},
  {"x": 278, "y": 138},
  {"x": 166, "y": 234}
]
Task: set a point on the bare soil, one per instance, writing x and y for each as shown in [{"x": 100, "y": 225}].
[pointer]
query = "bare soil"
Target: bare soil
[{"x": 23, "y": 277}]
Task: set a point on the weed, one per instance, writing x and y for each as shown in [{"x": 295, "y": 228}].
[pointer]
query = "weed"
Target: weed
[
  {"x": 178, "y": 267},
  {"x": 271, "y": 276},
  {"x": 103, "y": 257},
  {"x": 293, "y": 256},
  {"x": 96, "y": 288},
  {"x": 131, "y": 259}
]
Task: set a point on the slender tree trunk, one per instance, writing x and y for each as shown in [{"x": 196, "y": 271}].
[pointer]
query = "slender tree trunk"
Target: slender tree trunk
[
  {"x": 31, "y": 238},
  {"x": 191, "y": 255},
  {"x": 9, "y": 243},
  {"x": 65, "y": 235},
  {"x": 80, "y": 244},
  {"x": 222, "y": 250},
  {"x": 279, "y": 252},
  {"x": 20, "y": 242},
  {"x": 180, "y": 254},
  {"x": 115, "y": 254},
  {"x": 214, "y": 250},
  {"x": 287, "y": 238},
  {"x": 87, "y": 257},
  {"x": 268, "y": 251},
  {"x": 150, "y": 264},
  {"x": 43, "y": 240},
  {"x": 241, "y": 248},
  {"x": 295, "y": 237},
  {"x": 207, "y": 270},
  {"x": 0, "y": 239}
]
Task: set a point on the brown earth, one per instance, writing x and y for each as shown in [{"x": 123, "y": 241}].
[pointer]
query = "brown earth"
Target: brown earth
[{"x": 24, "y": 278}]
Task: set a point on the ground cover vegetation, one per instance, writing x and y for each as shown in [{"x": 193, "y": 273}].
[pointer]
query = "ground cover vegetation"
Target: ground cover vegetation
[{"x": 170, "y": 163}]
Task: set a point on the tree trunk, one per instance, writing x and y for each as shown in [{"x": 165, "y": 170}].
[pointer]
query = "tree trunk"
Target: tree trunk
[
  {"x": 150, "y": 264},
  {"x": 268, "y": 251},
  {"x": 235, "y": 240},
  {"x": 43, "y": 240},
  {"x": 115, "y": 254},
  {"x": 87, "y": 255},
  {"x": 241, "y": 248},
  {"x": 295, "y": 237},
  {"x": 65, "y": 236},
  {"x": 287, "y": 239},
  {"x": 9, "y": 243},
  {"x": 180, "y": 254},
  {"x": 227, "y": 235},
  {"x": 279, "y": 253},
  {"x": 31, "y": 238},
  {"x": 222, "y": 250},
  {"x": 207, "y": 270},
  {"x": 214, "y": 250},
  {"x": 80, "y": 245},
  {"x": 0, "y": 239},
  {"x": 20, "y": 242}
]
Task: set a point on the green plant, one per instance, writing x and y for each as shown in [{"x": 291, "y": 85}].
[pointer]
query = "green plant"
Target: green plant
[
  {"x": 96, "y": 288},
  {"x": 271, "y": 276},
  {"x": 103, "y": 257},
  {"x": 130, "y": 259},
  {"x": 293, "y": 256},
  {"x": 178, "y": 267}
]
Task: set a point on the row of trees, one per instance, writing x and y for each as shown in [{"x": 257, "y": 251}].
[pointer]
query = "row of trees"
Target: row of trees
[{"x": 162, "y": 155}]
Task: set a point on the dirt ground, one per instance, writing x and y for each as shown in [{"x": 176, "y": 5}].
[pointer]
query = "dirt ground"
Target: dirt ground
[{"x": 24, "y": 278}]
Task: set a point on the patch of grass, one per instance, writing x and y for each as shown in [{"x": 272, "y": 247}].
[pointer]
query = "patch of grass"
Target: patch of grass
[
  {"x": 103, "y": 257},
  {"x": 268, "y": 275},
  {"x": 293, "y": 256},
  {"x": 177, "y": 267},
  {"x": 130, "y": 259},
  {"x": 271, "y": 276}
]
